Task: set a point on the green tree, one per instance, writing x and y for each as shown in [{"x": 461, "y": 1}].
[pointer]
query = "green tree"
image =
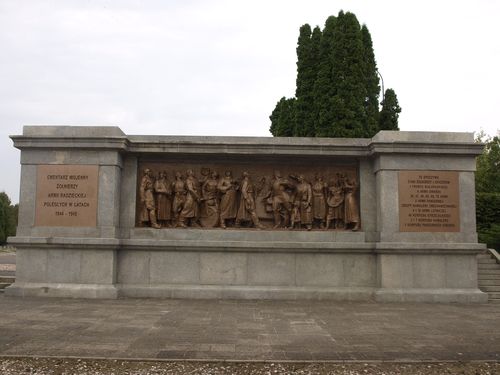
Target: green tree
[
  {"x": 324, "y": 89},
  {"x": 283, "y": 118},
  {"x": 388, "y": 119},
  {"x": 488, "y": 165},
  {"x": 307, "y": 61},
  {"x": 488, "y": 191},
  {"x": 337, "y": 87},
  {"x": 371, "y": 83},
  {"x": 349, "y": 116},
  {"x": 8, "y": 218}
]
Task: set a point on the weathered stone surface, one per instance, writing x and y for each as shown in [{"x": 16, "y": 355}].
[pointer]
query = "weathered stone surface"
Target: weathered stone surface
[{"x": 117, "y": 258}]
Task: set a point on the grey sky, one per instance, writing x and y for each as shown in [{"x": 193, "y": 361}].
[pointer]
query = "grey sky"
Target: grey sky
[{"x": 217, "y": 67}]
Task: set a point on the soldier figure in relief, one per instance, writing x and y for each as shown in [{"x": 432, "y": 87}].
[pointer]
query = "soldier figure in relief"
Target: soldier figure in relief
[
  {"x": 179, "y": 192},
  {"x": 303, "y": 200},
  {"x": 319, "y": 201},
  {"x": 163, "y": 199},
  {"x": 209, "y": 216},
  {"x": 189, "y": 212},
  {"x": 335, "y": 201},
  {"x": 228, "y": 208},
  {"x": 351, "y": 205},
  {"x": 246, "y": 210},
  {"x": 280, "y": 200},
  {"x": 148, "y": 212}
]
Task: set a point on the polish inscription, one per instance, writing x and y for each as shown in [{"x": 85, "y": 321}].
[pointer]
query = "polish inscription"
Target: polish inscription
[
  {"x": 66, "y": 195},
  {"x": 429, "y": 201}
]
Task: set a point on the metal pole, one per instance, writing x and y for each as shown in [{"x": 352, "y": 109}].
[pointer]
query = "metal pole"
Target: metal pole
[{"x": 382, "y": 80}]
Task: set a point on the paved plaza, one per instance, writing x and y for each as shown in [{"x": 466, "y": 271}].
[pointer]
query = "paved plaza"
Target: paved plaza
[{"x": 248, "y": 330}]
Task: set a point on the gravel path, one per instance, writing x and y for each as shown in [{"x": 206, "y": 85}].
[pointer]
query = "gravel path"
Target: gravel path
[{"x": 51, "y": 366}]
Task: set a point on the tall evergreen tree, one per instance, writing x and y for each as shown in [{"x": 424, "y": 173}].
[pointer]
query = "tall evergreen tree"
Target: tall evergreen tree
[
  {"x": 389, "y": 114},
  {"x": 348, "y": 78},
  {"x": 307, "y": 60},
  {"x": 337, "y": 86},
  {"x": 283, "y": 118},
  {"x": 371, "y": 84},
  {"x": 323, "y": 87}
]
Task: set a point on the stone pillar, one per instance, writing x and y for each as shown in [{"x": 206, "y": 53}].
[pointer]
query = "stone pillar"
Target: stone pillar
[
  {"x": 429, "y": 263},
  {"x": 54, "y": 258}
]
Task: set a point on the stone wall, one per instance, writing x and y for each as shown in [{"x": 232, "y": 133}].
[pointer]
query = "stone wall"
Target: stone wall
[{"x": 120, "y": 256}]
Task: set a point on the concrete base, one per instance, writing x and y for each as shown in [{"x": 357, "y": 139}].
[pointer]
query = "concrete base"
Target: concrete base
[
  {"x": 431, "y": 295},
  {"x": 19, "y": 289},
  {"x": 245, "y": 292},
  {"x": 179, "y": 264}
]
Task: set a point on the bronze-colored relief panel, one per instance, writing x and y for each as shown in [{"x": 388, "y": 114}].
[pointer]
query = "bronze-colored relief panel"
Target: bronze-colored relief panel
[
  {"x": 429, "y": 201},
  {"x": 66, "y": 195},
  {"x": 247, "y": 195}
]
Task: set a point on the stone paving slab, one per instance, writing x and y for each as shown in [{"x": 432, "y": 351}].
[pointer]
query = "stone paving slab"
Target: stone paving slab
[{"x": 248, "y": 330}]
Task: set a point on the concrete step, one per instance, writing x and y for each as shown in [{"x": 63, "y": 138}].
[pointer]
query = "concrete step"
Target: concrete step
[
  {"x": 484, "y": 255},
  {"x": 490, "y": 289},
  {"x": 7, "y": 279},
  {"x": 491, "y": 276},
  {"x": 489, "y": 283},
  {"x": 489, "y": 266},
  {"x": 486, "y": 261},
  {"x": 4, "y": 285},
  {"x": 494, "y": 300},
  {"x": 494, "y": 295},
  {"x": 4, "y": 273}
]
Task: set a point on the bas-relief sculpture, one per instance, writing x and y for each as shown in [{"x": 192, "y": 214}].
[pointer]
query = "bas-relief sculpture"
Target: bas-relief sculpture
[{"x": 297, "y": 201}]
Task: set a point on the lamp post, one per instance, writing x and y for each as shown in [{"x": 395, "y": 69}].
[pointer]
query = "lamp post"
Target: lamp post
[{"x": 382, "y": 80}]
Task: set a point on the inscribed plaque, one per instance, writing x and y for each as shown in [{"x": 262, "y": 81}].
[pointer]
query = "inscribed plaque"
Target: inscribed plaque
[
  {"x": 429, "y": 201},
  {"x": 66, "y": 195}
]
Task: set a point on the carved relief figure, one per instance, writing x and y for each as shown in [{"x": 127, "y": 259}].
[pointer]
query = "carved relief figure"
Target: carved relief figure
[
  {"x": 189, "y": 212},
  {"x": 228, "y": 205},
  {"x": 163, "y": 202},
  {"x": 303, "y": 200},
  {"x": 351, "y": 205},
  {"x": 318, "y": 200},
  {"x": 280, "y": 200},
  {"x": 246, "y": 210},
  {"x": 335, "y": 201},
  {"x": 205, "y": 174},
  {"x": 209, "y": 212},
  {"x": 179, "y": 196},
  {"x": 263, "y": 201},
  {"x": 295, "y": 215},
  {"x": 148, "y": 212}
]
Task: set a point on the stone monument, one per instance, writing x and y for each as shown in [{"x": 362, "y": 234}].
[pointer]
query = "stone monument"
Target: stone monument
[{"x": 103, "y": 215}]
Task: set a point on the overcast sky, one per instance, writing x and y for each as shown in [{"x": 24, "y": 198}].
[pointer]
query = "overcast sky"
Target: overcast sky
[{"x": 217, "y": 67}]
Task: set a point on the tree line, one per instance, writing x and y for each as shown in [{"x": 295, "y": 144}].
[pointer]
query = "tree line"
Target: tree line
[
  {"x": 337, "y": 86},
  {"x": 8, "y": 218},
  {"x": 488, "y": 191}
]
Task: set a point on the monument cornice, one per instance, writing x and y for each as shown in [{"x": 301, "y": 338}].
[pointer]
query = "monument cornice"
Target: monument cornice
[
  {"x": 249, "y": 145},
  {"x": 434, "y": 148},
  {"x": 43, "y": 142},
  {"x": 112, "y": 138}
]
